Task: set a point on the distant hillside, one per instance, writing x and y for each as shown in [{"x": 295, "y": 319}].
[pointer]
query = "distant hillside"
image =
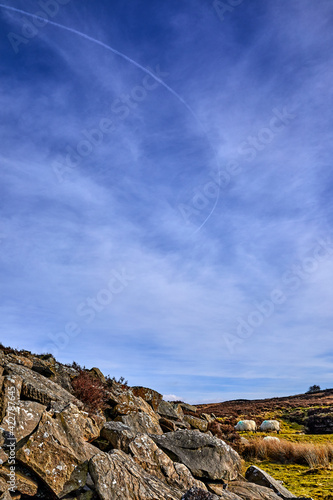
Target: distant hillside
[{"x": 254, "y": 407}]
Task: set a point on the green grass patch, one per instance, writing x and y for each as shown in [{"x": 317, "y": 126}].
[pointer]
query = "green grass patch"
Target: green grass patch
[{"x": 299, "y": 479}]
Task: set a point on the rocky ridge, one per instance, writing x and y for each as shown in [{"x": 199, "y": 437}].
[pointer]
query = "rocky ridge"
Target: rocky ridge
[{"x": 68, "y": 433}]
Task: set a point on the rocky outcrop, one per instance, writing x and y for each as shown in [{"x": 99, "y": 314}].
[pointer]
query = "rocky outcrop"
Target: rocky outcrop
[
  {"x": 206, "y": 456},
  {"x": 258, "y": 476},
  {"x": 153, "y": 460},
  {"x": 117, "y": 477},
  {"x": 153, "y": 398},
  {"x": 133, "y": 446},
  {"x": 251, "y": 491},
  {"x": 196, "y": 423}
]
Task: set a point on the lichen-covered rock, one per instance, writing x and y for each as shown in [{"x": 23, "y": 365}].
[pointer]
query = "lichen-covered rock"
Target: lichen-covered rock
[
  {"x": 205, "y": 456},
  {"x": 207, "y": 417},
  {"x": 57, "y": 452},
  {"x": 151, "y": 397},
  {"x": 187, "y": 407},
  {"x": 10, "y": 393},
  {"x": 198, "y": 494},
  {"x": 96, "y": 372},
  {"x": 196, "y": 423},
  {"x": 251, "y": 491},
  {"x": 118, "y": 435},
  {"x": 258, "y": 476},
  {"x": 167, "y": 425},
  {"x": 221, "y": 492},
  {"x": 24, "y": 484},
  {"x": 153, "y": 460},
  {"x": 118, "y": 477},
  {"x": 27, "y": 417},
  {"x": 141, "y": 422},
  {"x": 38, "y": 388},
  {"x": 6, "y": 496},
  {"x": 170, "y": 411}
]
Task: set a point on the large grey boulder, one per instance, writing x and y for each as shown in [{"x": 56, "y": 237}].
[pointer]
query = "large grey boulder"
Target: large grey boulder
[
  {"x": 153, "y": 460},
  {"x": 258, "y": 476},
  {"x": 170, "y": 411},
  {"x": 118, "y": 435},
  {"x": 196, "y": 423},
  {"x": 117, "y": 477},
  {"x": 38, "y": 388},
  {"x": 206, "y": 456},
  {"x": 251, "y": 491}
]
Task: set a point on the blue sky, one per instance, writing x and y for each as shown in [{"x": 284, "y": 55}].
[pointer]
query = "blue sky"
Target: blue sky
[{"x": 166, "y": 194}]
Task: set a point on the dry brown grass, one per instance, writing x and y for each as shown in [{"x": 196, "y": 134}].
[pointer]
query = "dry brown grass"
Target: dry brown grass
[{"x": 287, "y": 452}]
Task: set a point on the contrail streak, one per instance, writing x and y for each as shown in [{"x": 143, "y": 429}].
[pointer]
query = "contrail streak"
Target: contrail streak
[{"x": 138, "y": 65}]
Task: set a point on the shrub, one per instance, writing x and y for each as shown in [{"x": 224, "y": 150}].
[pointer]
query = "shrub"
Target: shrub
[
  {"x": 313, "y": 388},
  {"x": 90, "y": 391}
]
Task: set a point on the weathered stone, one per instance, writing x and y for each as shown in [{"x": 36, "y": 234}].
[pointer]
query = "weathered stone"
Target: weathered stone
[
  {"x": 6, "y": 496},
  {"x": 3, "y": 456},
  {"x": 154, "y": 461},
  {"x": 26, "y": 418},
  {"x": 187, "y": 407},
  {"x": 258, "y": 476},
  {"x": 118, "y": 477},
  {"x": 118, "y": 435},
  {"x": 205, "y": 456},
  {"x": 167, "y": 425},
  {"x": 23, "y": 483},
  {"x": 168, "y": 410},
  {"x": 44, "y": 367},
  {"x": 151, "y": 397},
  {"x": 219, "y": 489},
  {"x": 57, "y": 453},
  {"x": 195, "y": 493},
  {"x": 10, "y": 394},
  {"x": 251, "y": 491},
  {"x": 132, "y": 404},
  {"x": 207, "y": 417},
  {"x": 96, "y": 372},
  {"x": 141, "y": 422},
  {"x": 196, "y": 423},
  {"x": 38, "y": 388},
  {"x": 19, "y": 360}
]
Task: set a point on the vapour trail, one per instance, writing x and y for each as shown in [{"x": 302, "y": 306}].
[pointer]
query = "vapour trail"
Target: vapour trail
[{"x": 142, "y": 68}]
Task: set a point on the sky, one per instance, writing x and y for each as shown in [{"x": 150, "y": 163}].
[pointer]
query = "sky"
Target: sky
[{"x": 166, "y": 191}]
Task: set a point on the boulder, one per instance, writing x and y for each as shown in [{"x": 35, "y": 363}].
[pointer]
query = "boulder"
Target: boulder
[
  {"x": 141, "y": 422},
  {"x": 251, "y": 491},
  {"x": 167, "y": 425},
  {"x": 57, "y": 453},
  {"x": 27, "y": 417},
  {"x": 118, "y": 477},
  {"x": 320, "y": 423},
  {"x": 221, "y": 491},
  {"x": 170, "y": 411},
  {"x": 153, "y": 398},
  {"x": 24, "y": 484},
  {"x": 195, "y": 493},
  {"x": 38, "y": 388},
  {"x": 187, "y": 407},
  {"x": 207, "y": 417},
  {"x": 196, "y": 423},
  {"x": 206, "y": 456},
  {"x": 96, "y": 372},
  {"x": 45, "y": 367},
  {"x": 258, "y": 476},
  {"x": 153, "y": 460},
  {"x": 118, "y": 435},
  {"x": 6, "y": 496},
  {"x": 10, "y": 393}
]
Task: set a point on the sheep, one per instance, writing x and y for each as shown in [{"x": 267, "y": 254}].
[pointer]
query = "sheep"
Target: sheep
[
  {"x": 246, "y": 425},
  {"x": 270, "y": 425},
  {"x": 271, "y": 438}
]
